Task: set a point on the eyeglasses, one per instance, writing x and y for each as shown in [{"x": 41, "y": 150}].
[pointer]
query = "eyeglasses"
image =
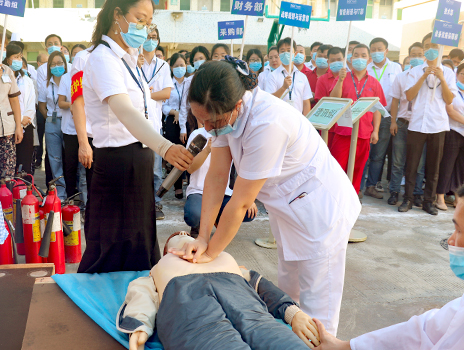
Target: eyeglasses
[
  {"x": 255, "y": 60},
  {"x": 143, "y": 24},
  {"x": 53, "y": 65}
]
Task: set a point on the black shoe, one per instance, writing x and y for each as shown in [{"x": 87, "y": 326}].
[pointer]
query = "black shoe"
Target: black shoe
[
  {"x": 418, "y": 200},
  {"x": 393, "y": 198},
  {"x": 159, "y": 213},
  {"x": 194, "y": 232},
  {"x": 38, "y": 165},
  {"x": 405, "y": 206},
  {"x": 430, "y": 208}
]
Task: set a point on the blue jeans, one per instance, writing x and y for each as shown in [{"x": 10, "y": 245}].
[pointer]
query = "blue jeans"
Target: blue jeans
[
  {"x": 399, "y": 160},
  {"x": 378, "y": 152},
  {"x": 54, "y": 141},
  {"x": 192, "y": 210},
  {"x": 158, "y": 172}
]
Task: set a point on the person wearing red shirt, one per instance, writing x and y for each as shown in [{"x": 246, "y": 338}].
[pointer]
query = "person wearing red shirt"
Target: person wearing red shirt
[
  {"x": 354, "y": 85},
  {"x": 322, "y": 67},
  {"x": 299, "y": 61},
  {"x": 324, "y": 83}
]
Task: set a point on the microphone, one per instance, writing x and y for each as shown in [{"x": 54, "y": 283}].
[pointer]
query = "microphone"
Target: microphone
[{"x": 195, "y": 147}]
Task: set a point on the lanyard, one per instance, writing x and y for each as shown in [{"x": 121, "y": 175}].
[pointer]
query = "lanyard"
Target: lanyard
[
  {"x": 154, "y": 72},
  {"x": 53, "y": 96},
  {"x": 381, "y": 75},
  {"x": 180, "y": 96},
  {"x": 461, "y": 95},
  {"x": 358, "y": 95},
  {"x": 292, "y": 86}
]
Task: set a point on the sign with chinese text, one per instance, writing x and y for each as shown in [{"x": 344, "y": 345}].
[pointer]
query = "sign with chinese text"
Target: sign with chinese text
[
  {"x": 230, "y": 30},
  {"x": 295, "y": 15},
  {"x": 13, "y": 7},
  {"x": 351, "y": 10},
  {"x": 248, "y": 7},
  {"x": 445, "y": 33},
  {"x": 327, "y": 112},
  {"x": 448, "y": 10}
]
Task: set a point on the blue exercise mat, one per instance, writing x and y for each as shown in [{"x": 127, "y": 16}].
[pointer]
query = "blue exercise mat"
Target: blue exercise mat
[{"x": 100, "y": 296}]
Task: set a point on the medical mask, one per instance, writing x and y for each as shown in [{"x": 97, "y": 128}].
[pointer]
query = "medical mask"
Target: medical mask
[
  {"x": 460, "y": 85},
  {"x": 255, "y": 66},
  {"x": 227, "y": 129},
  {"x": 314, "y": 56},
  {"x": 179, "y": 72},
  {"x": 321, "y": 62},
  {"x": 52, "y": 49},
  {"x": 416, "y": 61},
  {"x": 431, "y": 54},
  {"x": 285, "y": 58},
  {"x": 266, "y": 64},
  {"x": 348, "y": 57},
  {"x": 190, "y": 69},
  {"x": 16, "y": 65},
  {"x": 336, "y": 66},
  {"x": 299, "y": 58},
  {"x": 134, "y": 37},
  {"x": 25, "y": 71},
  {"x": 359, "y": 64},
  {"x": 150, "y": 45},
  {"x": 57, "y": 71},
  {"x": 378, "y": 57},
  {"x": 457, "y": 260},
  {"x": 197, "y": 64},
  {"x": 407, "y": 66},
  {"x": 66, "y": 57}
]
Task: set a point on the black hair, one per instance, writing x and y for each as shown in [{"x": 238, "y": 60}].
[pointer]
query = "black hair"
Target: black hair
[
  {"x": 314, "y": 44},
  {"x": 335, "y": 50},
  {"x": 11, "y": 50},
  {"x": 460, "y": 68},
  {"x": 182, "y": 51},
  {"x": 160, "y": 48},
  {"x": 428, "y": 36},
  {"x": 379, "y": 40},
  {"x": 272, "y": 48},
  {"x": 224, "y": 46},
  {"x": 416, "y": 44},
  {"x": 25, "y": 62},
  {"x": 174, "y": 58},
  {"x": 197, "y": 49},
  {"x": 323, "y": 48},
  {"x": 361, "y": 46},
  {"x": 50, "y": 60},
  {"x": 448, "y": 62},
  {"x": 75, "y": 47},
  {"x": 259, "y": 54},
  {"x": 457, "y": 53},
  {"x": 18, "y": 43},
  {"x": 57, "y": 36},
  {"x": 105, "y": 18},
  {"x": 287, "y": 41},
  {"x": 354, "y": 42}
]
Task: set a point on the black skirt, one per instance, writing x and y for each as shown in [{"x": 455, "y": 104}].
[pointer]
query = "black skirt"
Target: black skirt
[{"x": 121, "y": 212}]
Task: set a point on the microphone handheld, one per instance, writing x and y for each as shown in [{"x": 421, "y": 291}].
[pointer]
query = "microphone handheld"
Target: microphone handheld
[{"x": 195, "y": 147}]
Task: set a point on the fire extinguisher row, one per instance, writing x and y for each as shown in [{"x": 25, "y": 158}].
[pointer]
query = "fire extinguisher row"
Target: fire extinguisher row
[{"x": 40, "y": 228}]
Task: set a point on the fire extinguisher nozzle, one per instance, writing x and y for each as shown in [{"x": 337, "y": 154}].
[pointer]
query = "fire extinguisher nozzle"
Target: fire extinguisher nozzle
[
  {"x": 45, "y": 245},
  {"x": 66, "y": 229},
  {"x": 161, "y": 191}
]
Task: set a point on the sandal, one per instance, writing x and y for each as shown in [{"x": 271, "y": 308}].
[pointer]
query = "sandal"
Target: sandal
[{"x": 441, "y": 206}]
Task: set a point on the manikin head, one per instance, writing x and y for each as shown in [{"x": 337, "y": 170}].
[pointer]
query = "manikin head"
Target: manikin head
[{"x": 177, "y": 241}]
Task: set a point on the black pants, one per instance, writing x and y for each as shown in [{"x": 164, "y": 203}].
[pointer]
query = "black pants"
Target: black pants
[
  {"x": 414, "y": 148},
  {"x": 25, "y": 150},
  {"x": 40, "y": 132},
  {"x": 171, "y": 132},
  {"x": 452, "y": 165}
]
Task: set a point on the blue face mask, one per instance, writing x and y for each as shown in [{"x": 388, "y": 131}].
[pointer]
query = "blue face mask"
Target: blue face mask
[
  {"x": 321, "y": 62},
  {"x": 25, "y": 71},
  {"x": 134, "y": 37},
  {"x": 255, "y": 66},
  {"x": 150, "y": 45},
  {"x": 285, "y": 58},
  {"x": 336, "y": 66},
  {"x": 266, "y": 64},
  {"x": 66, "y": 57},
  {"x": 457, "y": 260},
  {"x": 314, "y": 56},
  {"x": 460, "y": 85},
  {"x": 407, "y": 67},
  {"x": 359, "y": 64},
  {"x": 52, "y": 49},
  {"x": 416, "y": 61},
  {"x": 227, "y": 129},
  {"x": 190, "y": 69},
  {"x": 179, "y": 72},
  {"x": 431, "y": 54},
  {"x": 378, "y": 57},
  {"x": 299, "y": 58},
  {"x": 348, "y": 57},
  {"x": 197, "y": 64},
  {"x": 16, "y": 65},
  {"x": 57, "y": 71}
]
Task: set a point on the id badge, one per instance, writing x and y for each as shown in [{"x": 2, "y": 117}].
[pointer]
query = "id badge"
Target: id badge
[
  {"x": 290, "y": 102},
  {"x": 54, "y": 115},
  {"x": 6, "y": 79}
]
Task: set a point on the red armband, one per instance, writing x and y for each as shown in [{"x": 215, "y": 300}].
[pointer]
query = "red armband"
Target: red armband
[{"x": 76, "y": 86}]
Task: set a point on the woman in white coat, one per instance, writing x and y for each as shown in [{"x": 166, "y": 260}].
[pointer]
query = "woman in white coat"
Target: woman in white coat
[
  {"x": 281, "y": 160},
  {"x": 441, "y": 329}
]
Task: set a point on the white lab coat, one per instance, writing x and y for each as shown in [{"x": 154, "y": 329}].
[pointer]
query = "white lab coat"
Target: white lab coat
[{"x": 441, "y": 329}]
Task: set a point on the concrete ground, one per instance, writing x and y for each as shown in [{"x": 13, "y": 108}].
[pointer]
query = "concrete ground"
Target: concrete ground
[{"x": 400, "y": 271}]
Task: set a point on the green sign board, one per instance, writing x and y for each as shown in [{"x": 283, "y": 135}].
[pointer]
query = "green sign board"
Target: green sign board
[{"x": 327, "y": 111}]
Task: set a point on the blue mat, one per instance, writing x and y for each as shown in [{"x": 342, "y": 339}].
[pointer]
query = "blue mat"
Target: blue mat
[{"x": 100, "y": 296}]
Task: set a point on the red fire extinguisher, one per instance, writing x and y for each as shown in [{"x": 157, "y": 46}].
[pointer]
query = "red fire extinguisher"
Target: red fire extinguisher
[
  {"x": 72, "y": 231},
  {"x": 6, "y": 249},
  {"x": 52, "y": 246},
  {"x": 19, "y": 192},
  {"x": 31, "y": 227}
]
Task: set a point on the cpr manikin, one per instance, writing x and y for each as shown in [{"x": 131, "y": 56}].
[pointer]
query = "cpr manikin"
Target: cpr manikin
[{"x": 215, "y": 305}]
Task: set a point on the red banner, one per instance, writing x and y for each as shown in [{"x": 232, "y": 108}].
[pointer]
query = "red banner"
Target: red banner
[{"x": 76, "y": 86}]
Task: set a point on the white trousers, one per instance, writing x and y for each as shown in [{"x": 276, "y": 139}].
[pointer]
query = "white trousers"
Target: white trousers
[{"x": 317, "y": 284}]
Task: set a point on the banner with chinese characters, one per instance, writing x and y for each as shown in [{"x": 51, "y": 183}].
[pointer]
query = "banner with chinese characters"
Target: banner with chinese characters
[
  {"x": 351, "y": 10},
  {"x": 448, "y": 11},
  {"x": 248, "y": 7},
  {"x": 445, "y": 33},
  {"x": 13, "y": 7},
  {"x": 295, "y": 15},
  {"x": 230, "y": 30}
]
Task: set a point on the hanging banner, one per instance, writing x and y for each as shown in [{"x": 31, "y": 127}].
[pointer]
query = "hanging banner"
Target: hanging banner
[
  {"x": 295, "y": 15},
  {"x": 445, "y": 33},
  {"x": 13, "y": 8},
  {"x": 248, "y": 8},
  {"x": 448, "y": 11},
  {"x": 351, "y": 10},
  {"x": 230, "y": 30}
]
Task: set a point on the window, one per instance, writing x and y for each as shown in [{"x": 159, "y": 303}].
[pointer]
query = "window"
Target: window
[
  {"x": 225, "y": 5},
  {"x": 185, "y": 5},
  {"x": 58, "y": 4},
  {"x": 99, "y": 3},
  {"x": 386, "y": 2},
  {"x": 36, "y": 4}
]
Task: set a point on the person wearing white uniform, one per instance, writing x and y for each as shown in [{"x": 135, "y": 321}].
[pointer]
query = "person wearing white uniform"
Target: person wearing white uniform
[
  {"x": 292, "y": 88},
  {"x": 274, "y": 63},
  {"x": 122, "y": 223},
  {"x": 437, "y": 329},
  {"x": 282, "y": 161}
]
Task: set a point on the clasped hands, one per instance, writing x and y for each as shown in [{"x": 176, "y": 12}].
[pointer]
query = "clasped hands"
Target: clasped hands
[{"x": 194, "y": 252}]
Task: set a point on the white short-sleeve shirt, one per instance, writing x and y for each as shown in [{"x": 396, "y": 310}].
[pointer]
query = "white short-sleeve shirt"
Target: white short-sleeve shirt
[
  {"x": 67, "y": 122},
  {"x": 385, "y": 75},
  {"x": 105, "y": 75},
  {"x": 49, "y": 95},
  {"x": 300, "y": 89},
  {"x": 458, "y": 105},
  {"x": 398, "y": 91},
  {"x": 178, "y": 92},
  {"x": 262, "y": 78},
  {"x": 42, "y": 76}
]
